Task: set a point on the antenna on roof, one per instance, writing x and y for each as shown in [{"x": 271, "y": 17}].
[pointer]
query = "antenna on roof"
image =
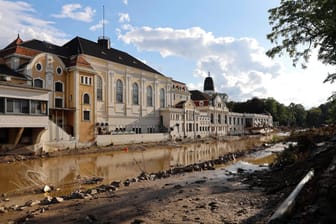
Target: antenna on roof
[
  {"x": 103, "y": 21},
  {"x": 103, "y": 41}
]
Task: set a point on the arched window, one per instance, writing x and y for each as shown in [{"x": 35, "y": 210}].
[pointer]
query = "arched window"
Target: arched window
[
  {"x": 38, "y": 83},
  {"x": 86, "y": 98},
  {"x": 219, "y": 118},
  {"x": 58, "y": 87},
  {"x": 99, "y": 88},
  {"x": 135, "y": 93},
  {"x": 162, "y": 98},
  {"x": 149, "y": 96},
  {"x": 119, "y": 91}
]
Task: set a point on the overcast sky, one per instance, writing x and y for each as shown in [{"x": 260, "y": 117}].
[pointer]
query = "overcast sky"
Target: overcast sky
[{"x": 183, "y": 39}]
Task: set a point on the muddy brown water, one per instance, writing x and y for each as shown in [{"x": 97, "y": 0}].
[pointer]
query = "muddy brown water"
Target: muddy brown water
[{"x": 64, "y": 172}]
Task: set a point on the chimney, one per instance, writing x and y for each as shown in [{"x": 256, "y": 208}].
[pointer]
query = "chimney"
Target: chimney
[{"x": 104, "y": 42}]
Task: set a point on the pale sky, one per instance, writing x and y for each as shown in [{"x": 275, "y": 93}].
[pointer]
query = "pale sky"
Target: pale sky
[{"x": 183, "y": 39}]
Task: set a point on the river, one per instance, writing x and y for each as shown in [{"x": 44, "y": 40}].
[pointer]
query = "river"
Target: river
[{"x": 64, "y": 172}]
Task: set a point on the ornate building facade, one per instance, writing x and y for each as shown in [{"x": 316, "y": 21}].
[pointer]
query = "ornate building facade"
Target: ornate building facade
[{"x": 84, "y": 89}]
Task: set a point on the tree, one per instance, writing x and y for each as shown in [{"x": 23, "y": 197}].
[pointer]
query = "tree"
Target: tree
[
  {"x": 283, "y": 115},
  {"x": 331, "y": 119},
  {"x": 300, "y": 26},
  {"x": 296, "y": 115},
  {"x": 300, "y": 115},
  {"x": 271, "y": 107},
  {"x": 314, "y": 117}
]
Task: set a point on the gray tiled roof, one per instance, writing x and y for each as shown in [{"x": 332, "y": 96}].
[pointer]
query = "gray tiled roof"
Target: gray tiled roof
[{"x": 80, "y": 45}]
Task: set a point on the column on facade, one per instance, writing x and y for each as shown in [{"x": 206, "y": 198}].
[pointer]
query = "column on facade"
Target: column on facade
[
  {"x": 185, "y": 122},
  {"x": 110, "y": 98},
  {"x": 128, "y": 95},
  {"x": 167, "y": 94},
  {"x": 155, "y": 95},
  {"x": 142, "y": 95},
  {"x": 77, "y": 100}
]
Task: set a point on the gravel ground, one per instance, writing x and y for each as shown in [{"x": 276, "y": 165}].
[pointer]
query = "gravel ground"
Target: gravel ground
[{"x": 198, "y": 197}]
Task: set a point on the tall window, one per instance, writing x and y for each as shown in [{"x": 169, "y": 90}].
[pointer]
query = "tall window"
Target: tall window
[
  {"x": 219, "y": 118},
  {"x": 38, "y": 83},
  {"x": 149, "y": 96},
  {"x": 135, "y": 93},
  {"x": 119, "y": 93},
  {"x": 58, "y": 87},
  {"x": 86, "y": 98},
  {"x": 162, "y": 98},
  {"x": 99, "y": 88},
  {"x": 211, "y": 118}
]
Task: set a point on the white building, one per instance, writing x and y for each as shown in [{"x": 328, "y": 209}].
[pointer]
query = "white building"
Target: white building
[{"x": 85, "y": 92}]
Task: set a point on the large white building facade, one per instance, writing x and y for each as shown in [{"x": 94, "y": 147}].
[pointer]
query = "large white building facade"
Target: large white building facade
[
  {"x": 206, "y": 114},
  {"x": 90, "y": 92}
]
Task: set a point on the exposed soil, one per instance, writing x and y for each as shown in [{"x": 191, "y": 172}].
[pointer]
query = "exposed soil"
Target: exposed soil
[
  {"x": 208, "y": 196},
  {"x": 200, "y": 197}
]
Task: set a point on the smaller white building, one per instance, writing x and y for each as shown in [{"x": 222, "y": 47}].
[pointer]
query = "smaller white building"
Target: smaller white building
[
  {"x": 206, "y": 114},
  {"x": 23, "y": 114}
]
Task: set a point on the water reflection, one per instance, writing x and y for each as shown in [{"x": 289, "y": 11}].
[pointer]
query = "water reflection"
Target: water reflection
[{"x": 116, "y": 165}]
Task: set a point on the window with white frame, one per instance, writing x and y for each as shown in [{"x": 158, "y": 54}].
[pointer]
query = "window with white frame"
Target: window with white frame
[
  {"x": 86, "y": 80},
  {"x": 162, "y": 98},
  {"x": 38, "y": 83},
  {"x": 86, "y": 98},
  {"x": 99, "y": 88},
  {"x": 149, "y": 96},
  {"x": 119, "y": 91},
  {"x": 135, "y": 94},
  {"x": 58, "y": 86},
  {"x": 86, "y": 115}
]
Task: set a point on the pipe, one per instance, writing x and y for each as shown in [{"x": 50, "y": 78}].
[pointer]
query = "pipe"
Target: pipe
[{"x": 288, "y": 204}]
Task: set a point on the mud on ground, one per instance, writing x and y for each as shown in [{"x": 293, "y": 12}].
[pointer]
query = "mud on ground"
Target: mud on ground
[{"x": 209, "y": 196}]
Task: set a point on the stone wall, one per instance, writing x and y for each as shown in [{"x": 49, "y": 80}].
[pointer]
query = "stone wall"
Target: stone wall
[{"x": 105, "y": 140}]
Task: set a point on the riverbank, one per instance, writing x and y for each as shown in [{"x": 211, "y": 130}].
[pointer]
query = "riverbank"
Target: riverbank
[
  {"x": 26, "y": 153},
  {"x": 26, "y": 206},
  {"x": 213, "y": 195}
]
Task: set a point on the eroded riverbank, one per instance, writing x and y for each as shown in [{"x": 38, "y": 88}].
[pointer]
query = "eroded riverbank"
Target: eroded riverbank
[
  {"x": 67, "y": 172},
  {"x": 211, "y": 191},
  {"x": 219, "y": 194}
]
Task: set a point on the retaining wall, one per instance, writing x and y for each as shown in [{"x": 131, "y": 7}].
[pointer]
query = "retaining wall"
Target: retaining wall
[{"x": 105, "y": 140}]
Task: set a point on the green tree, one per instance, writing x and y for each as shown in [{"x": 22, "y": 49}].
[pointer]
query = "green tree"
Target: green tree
[
  {"x": 331, "y": 112},
  {"x": 314, "y": 117},
  {"x": 283, "y": 116},
  {"x": 300, "y": 115},
  {"x": 300, "y": 26},
  {"x": 296, "y": 115},
  {"x": 271, "y": 107}
]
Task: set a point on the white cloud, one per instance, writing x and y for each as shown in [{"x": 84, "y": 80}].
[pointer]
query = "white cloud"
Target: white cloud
[
  {"x": 21, "y": 17},
  {"x": 125, "y": 2},
  {"x": 239, "y": 66},
  {"x": 124, "y": 17},
  {"x": 304, "y": 86},
  {"x": 99, "y": 25},
  {"x": 76, "y": 12}
]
